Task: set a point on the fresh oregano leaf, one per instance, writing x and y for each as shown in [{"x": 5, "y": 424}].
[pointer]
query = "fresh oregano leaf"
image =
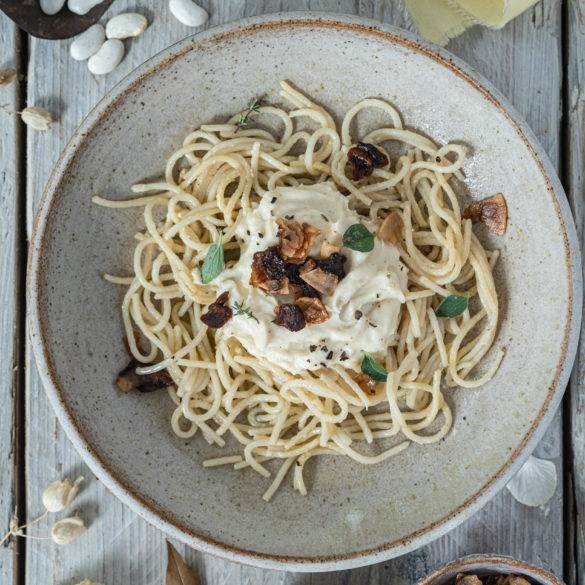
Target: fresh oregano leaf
[
  {"x": 358, "y": 237},
  {"x": 372, "y": 369},
  {"x": 452, "y": 306},
  {"x": 213, "y": 264}
]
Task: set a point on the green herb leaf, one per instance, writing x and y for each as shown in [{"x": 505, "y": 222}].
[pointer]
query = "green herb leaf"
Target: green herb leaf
[
  {"x": 452, "y": 306},
  {"x": 213, "y": 264},
  {"x": 372, "y": 369},
  {"x": 358, "y": 237}
]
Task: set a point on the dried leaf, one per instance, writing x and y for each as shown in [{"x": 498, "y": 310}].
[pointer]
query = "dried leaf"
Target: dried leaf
[
  {"x": 7, "y": 76},
  {"x": 178, "y": 572}
]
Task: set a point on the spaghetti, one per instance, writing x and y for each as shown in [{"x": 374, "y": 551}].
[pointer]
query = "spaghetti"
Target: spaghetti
[{"x": 220, "y": 388}]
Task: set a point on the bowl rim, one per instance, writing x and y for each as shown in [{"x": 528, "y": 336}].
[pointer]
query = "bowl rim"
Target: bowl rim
[
  {"x": 485, "y": 561},
  {"x": 149, "y": 510}
]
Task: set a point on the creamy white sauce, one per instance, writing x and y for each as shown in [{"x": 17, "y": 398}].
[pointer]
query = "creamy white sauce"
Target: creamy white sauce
[{"x": 374, "y": 285}]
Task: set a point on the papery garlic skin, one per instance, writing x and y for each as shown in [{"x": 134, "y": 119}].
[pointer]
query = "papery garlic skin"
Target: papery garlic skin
[
  {"x": 88, "y": 582},
  {"x": 37, "y": 118},
  {"x": 535, "y": 483},
  {"x": 67, "y": 530},
  {"x": 60, "y": 494}
]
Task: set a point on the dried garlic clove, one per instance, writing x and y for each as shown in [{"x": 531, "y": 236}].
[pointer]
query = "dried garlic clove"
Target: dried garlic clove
[
  {"x": 37, "y": 118},
  {"x": 492, "y": 211},
  {"x": 67, "y": 530},
  {"x": 391, "y": 231},
  {"x": 7, "y": 76},
  {"x": 535, "y": 483},
  {"x": 60, "y": 494}
]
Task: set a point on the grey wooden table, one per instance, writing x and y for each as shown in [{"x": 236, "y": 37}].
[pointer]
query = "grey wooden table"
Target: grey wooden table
[{"x": 538, "y": 61}]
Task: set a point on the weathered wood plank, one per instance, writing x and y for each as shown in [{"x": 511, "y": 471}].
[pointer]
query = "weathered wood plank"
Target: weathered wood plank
[
  {"x": 119, "y": 546},
  {"x": 8, "y": 266},
  {"x": 575, "y": 185}
]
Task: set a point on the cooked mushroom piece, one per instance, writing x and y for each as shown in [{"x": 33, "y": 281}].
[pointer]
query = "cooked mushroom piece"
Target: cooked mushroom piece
[
  {"x": 296, "y": 239},
  {"x": 493, "y": 212},
  {"x": 365, "y": 382},
  {"x": 327, "y": 249},
  {"x": 218, "y": 313},
  {"x": 313, "y": 309},
  {"x": 363, "y": 159},
  {"x": 322, "y": 281},
  {"x": 290, "y": 317},
  {"x": 391, "y": 230},
  {"x": 334, "y": 264},
  {"x": 129, "y": 381},
  {"x": 462, "y": 579},
  {"x": 267, "y": 265}
]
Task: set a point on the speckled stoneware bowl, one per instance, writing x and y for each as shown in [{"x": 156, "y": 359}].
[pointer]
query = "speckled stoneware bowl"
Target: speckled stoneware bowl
[
  {"x": 353, "y": 515},
  {"x": 485, "y": 565}
]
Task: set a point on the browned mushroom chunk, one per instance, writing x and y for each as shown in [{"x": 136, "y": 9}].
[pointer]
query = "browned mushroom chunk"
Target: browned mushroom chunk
[
  {"x": 129, "y": 381},
  {"x": 313, "y": 309},
  {"x": 296, "y": 240},
  {"x": 363, "y": 159},
  {"x": 218, "y": 313},
  {"x": 493, "y": 212},
  {"x": 391, "y": 230},
  {"x": 290, "y": 317},
  {"x": 327, "y": 248},
  {"x": 462, "y": 579},
  {"x": 322, "y": 281}
]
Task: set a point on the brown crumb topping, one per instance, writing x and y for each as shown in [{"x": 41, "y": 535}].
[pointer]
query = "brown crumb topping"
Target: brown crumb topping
[
  {"x": 391, "y": 231},
  {"x": 290, "y": 317},
  {"x": 313, "y": 309},
  {"x": 492, "y": 211},
  {"x": 296, "y": 239},
  {"x": 363, "y": 159},
  {"x": 218, "y": 313}
]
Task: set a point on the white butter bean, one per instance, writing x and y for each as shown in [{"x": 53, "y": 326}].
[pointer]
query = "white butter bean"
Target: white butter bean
[
  {"x": 124, "y": 26},
  {"x": 107, "y": 58},
  {"x": 187, "y": 12},
  {"x": 82, "y": 6},
  {"x": 51, "y": 7},
  {"x": 88, "y": 43}
]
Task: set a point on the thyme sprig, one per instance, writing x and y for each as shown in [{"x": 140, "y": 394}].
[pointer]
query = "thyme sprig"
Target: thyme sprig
[
  {"x": 241, "y": 309},
  {"x": 253, "y": 107}
]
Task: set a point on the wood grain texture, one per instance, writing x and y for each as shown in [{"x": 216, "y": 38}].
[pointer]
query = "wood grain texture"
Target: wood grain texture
[
  {"x": 523, "y": 61},
  {"x": 8, "y": 266},
  {"x": 575, "y": 184}
]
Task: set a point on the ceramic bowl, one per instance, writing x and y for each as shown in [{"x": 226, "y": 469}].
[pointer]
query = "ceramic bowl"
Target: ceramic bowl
[
  {"x": 485, "y": 565},
  {"x": 352, "y": 515}
]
